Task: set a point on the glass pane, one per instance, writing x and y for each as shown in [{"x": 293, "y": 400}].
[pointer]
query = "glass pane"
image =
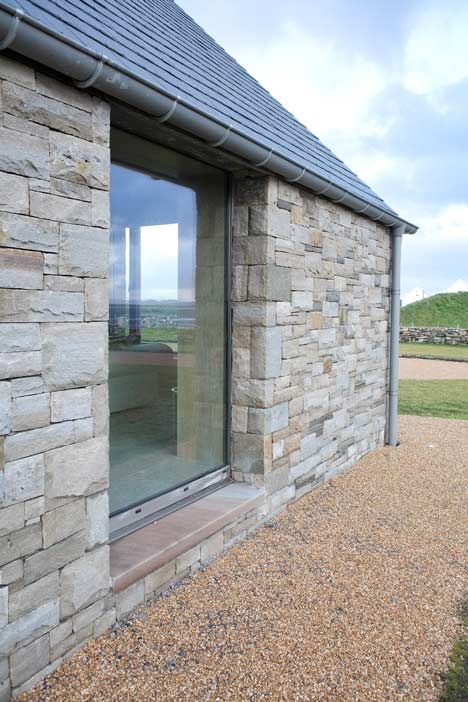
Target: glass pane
[{"x": 166, "y": 321}]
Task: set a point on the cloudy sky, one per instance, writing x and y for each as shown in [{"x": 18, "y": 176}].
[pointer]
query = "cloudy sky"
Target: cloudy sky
[{"x": 384, "y": 83}]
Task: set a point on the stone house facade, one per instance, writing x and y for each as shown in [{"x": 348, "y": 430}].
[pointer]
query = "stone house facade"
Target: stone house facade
[{"x": 308, "y": 357}]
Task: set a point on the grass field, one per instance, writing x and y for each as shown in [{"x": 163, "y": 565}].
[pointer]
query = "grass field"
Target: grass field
[
  {"x": 455, "y": 352},
  {"x": 444, "y": 310},
  {"x": 434, "y": 398}
]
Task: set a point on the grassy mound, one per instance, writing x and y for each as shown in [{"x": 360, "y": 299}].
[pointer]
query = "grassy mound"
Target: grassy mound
[{"x": 444, "y": 310}]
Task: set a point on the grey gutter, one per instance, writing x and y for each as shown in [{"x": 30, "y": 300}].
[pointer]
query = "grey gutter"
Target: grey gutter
[
  {"x": 87, "y": 68},
  {"x": 392, "y": 417}
]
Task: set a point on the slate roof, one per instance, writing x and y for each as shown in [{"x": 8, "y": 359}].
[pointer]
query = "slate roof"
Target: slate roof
[{"x": 159, "y": 42}]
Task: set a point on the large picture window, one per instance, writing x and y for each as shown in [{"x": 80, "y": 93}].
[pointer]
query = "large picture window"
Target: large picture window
[{"x": 167, "y": 321}]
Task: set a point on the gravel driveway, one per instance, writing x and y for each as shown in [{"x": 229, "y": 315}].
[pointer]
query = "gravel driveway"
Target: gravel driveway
[
  {"x": 432, "y": 369},
  {"x": 349, "y": 596}
]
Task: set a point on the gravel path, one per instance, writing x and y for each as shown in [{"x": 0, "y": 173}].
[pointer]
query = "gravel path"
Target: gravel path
[
  {"x": 349, "y": 596},
  {"x": 425, "y": 369}
]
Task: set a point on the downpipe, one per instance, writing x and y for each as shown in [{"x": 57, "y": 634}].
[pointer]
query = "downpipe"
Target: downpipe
[{"x": 392, "y": 419}]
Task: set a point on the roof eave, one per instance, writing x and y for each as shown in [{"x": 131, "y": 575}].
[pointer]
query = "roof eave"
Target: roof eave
[{"x": 86, "y": 68}]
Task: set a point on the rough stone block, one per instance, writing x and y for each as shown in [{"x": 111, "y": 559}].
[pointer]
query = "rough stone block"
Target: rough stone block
[
  {"x": 270, "y": 283},
  {"x": 19, "y": 337},
  {"x": 97, "y": 519},
  {"x": 12, "y": 572},
  {"x": 62, "y": 522},
  {"x": 51, "y": 263},
  {"x": 14, "y": 194},
  {"x": 212, "y": 547},
  {"x": 32, "y": 625},
  {"x": 21, "y": 232},
  {"x": 129, "y": 599},
  {"x": 74, "y": 355},
  {"x": 5, "y": 407},
  {"x": 101, "y": 121},
  {"x": 65, "y": 188},
  {"x": 83, "y": 429},
  {"x": 27, "y": 386},
  {"x": 83, "y": 251},
  {"x": 63, "y": 283},
  {"x": 105, "y": 622},
  {"x": 25, "y": 126},
  {"x": 20, "y": 543},
  {"x": 40, "y": 306},
  {"x": 30, "y": 412},
  {"x": 57, "y": 90},
  {"x": 160, "y": 578},
  {"x": 79, "y": 161},
  {"x": 34, "y": 508},
  {"x": 266, "y": 421},
  {"x": 254, "y": 314},
  {"x": 61, "y": 209},
  {"x": 57, "y": 556},
  {"x": 29, "y": 660},
  {"x": 252, "y": 393},
  {"x": 251, "y": 453},
  {"x": 70, "y": 404},
  {"x": 101, "y": 410},
  {"x": 24, "y": 479},
  {"x": 11, "y": 519},
  {"x": 77, "y": 470},
  {"x": 17, "y": 72},
  {"x": 88, "y": 616},
  {"x": 21, "y": 269},
  {"x": 100, "y": 208},
  {"x": 25, "y": 363},
  {"x": 266, "y": 355},
  {"x": 3, "y": 606},
  {"x": 34, "y": 595},
  {"x": 23, "y": 154},
  {"x": 52, "y": 113},
  {"x": 28, "y": 443},
  {"x": 96, "y": 300},
  {"x": 84, "y": 581}
]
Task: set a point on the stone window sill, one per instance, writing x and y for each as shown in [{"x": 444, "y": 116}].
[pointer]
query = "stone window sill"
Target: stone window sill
[{"x": 136, "y": 555}]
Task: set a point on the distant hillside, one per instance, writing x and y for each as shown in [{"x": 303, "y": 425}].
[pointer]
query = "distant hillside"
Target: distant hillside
[{"x": 444, "y": 310}]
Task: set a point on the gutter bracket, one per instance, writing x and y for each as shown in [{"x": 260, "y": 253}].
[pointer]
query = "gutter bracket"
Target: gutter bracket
[
  {"x": 294, "y": 180},
  {"x": 94, "y": 75},
  {"x": 11, "y": 34},
  {"x": 220, "y": 142},
  {"x": 170, "y": 111},
  {"x": 265, "y": 160}
]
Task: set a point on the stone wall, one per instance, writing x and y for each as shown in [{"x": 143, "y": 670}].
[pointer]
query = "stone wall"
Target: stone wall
[
  {"x": 310, "y": 337},
  {"x": 54, "y": 561},
  {"x": 434, "y": 335}
]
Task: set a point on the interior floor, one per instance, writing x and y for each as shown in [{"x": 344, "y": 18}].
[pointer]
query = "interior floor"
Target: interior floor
[{"x": 143, "y": 455}]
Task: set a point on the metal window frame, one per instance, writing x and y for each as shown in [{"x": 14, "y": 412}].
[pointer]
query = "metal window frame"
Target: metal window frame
[{"x": 134, "y": 517}]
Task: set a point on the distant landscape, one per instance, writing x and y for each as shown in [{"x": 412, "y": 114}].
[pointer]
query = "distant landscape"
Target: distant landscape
[{"x": 444, "y": 310}]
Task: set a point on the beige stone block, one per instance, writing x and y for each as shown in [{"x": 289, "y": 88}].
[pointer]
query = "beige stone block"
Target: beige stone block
[
  {"x": 16, "y": 72},
  {"x": 40, "y": 306},
  {"x": 34, "y": 595},
  {"x": 30, "y": 412},
  {"x": 80, "y": 469},
  {"x": 85, "y": 580},
  {"x": 83, "y": 251},
  {"x": 70, "y": 404},
  {"x": 14, "y": 194},
  {"x": 96, "y": 300},
  {"x": 74, "y": 355},
  {"x": 62, "y": 522},
  {"x": 21, "y": 232}
]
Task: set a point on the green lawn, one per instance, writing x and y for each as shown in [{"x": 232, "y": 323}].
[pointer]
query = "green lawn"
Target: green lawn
[
  {"x": 434, "y": 398},
  {"x": 444, "y": 310},
  {"x": 456, "y": 678},
  {"x": 453, "y": 351}
]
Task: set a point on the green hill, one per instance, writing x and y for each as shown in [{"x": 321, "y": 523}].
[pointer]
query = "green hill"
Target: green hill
[{"x": 444, "y": 310}]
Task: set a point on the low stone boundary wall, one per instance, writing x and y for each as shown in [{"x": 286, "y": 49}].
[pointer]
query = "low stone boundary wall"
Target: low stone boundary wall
[{"x": 434, "y": 335}]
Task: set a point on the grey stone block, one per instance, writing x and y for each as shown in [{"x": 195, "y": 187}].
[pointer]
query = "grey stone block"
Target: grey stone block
[
  {"x": 96, "y": 300},
  {"x": 65, "y": 188},
  {"x": 23, "y": 154},
  {"x": 5, "y": 407},
  {"x": 250, "y": 453},
  {"x": 101, "y": 410},
  {"x": 11, "y": 519},
  {"x": 21, "y": 269},
  {"x": 57, "y": 90},
  {"x": 62, "y": 209},
  {"x": 28, "y": 443},
  {"x": 31, "y": 626},
  {"x": 79, "y": 161},
  {"x": 29, "y": 660},
  {"x": 266, "y": 357},
  {"x": 12, "y": 572},
  {"x": 34, "y": 508},
  {"x": 63, "y": 283},
  {"x": 18, "y": 231},
  {"x": 88, "y": 616},
  {"x": 269, "y": 420},
  {"x": 40, "y": 306},
  {"x": 14, "y": 194},
  {"x": 269, "y": 283},
  {"x": 19, "y": 337},
  {"x": 100, "y": 208},
  {"x": 83, "y": 251},
  {"x": 55, "y": 557},
  {"x": 80, "y": 469},
  {"x": 83, "y": 429},
  {"x": 27, "y": 386},
  {"x": 23, "y": 125},
  {"x": 70, "y": 404},
  {"x": 20, "y": 543},
  {"x": 84, "y": 581},
  {"x": 30, "y": 412},
  {"x": 24, "y": 479},
  {"x": 3, "y": 607},
  {"x": 34, "y": 595},
  {"x": 74, "y": 355},
  {"x": 35, "y": 107},
  {"x": 51, "y": 263},
  {"x": 25, "y": 363},
  {"x": 97, "y": 519},
  {"x": 62, "y": 522},
  {"x": 17, "y": 72},
  {"x": 129, "y": 599}
]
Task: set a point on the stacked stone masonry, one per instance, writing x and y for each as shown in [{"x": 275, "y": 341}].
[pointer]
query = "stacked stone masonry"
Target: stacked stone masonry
[
  {"x": 54, "y": 219},
  {"x": 434, "y": 335},
  {"x": 310, "y": 303},
  {"x": 310, "y": 337}
]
